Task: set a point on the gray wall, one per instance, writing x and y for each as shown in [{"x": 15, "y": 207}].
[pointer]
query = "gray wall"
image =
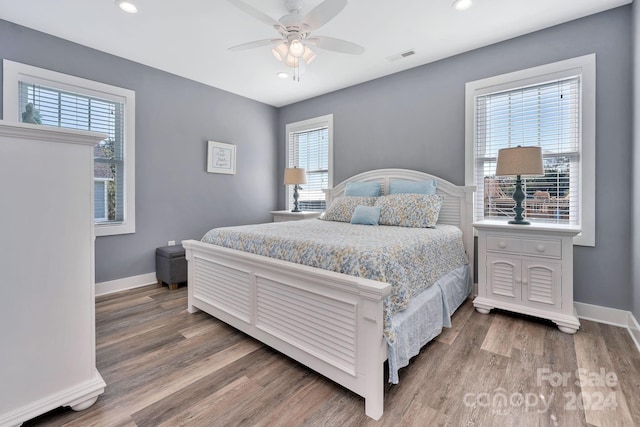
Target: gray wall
[
  {"x": 415, "y": 120},
  {"x": 635, "y": 253},
  {"x": 176, "y": 198}
]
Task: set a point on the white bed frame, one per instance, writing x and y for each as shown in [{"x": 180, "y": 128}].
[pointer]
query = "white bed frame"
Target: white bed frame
[{"x": 328, "y": 321}]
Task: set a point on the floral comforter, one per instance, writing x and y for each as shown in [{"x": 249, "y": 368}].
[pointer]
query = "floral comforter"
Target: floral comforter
[{"x": 410, "y": 259}]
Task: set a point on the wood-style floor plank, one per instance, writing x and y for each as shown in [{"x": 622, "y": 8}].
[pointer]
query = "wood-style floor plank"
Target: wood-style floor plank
[
  {"x": 166, "y": 367},
  {"x": 600, "y": 387}
]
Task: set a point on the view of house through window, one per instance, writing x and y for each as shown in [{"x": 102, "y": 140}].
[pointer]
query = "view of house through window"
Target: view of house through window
[
  {"x": 308, "y": 147},
  {"x": 49, "y": 98},
  {"x": 544, "y": 115},
  {"x": 54, "y": 107},
  {"x": 551, "y": 106}
]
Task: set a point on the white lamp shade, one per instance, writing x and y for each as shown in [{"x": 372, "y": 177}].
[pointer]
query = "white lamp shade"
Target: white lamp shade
[
  {"x": 293, "y": 176},
  {"x": 296, "y": 48},
  {"x": 308, "y": 55},
  {"x": 280, "y": 51},
  {"x": 520, "y": 161},
  {"x": 291, "y": 61}
]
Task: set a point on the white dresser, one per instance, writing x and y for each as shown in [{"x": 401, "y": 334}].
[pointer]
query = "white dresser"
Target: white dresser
[
  {"x": 47, "y": 308},
  {"x": 527, "y": 269}
]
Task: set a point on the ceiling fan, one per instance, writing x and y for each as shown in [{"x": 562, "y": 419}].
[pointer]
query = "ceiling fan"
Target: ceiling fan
[{"x": 292, "y": 47}]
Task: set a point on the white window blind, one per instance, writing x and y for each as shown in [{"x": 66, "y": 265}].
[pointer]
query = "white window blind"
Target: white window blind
[
  {"x": 545, "y": 115},
  {"x": 309, "y": 149},
  {"x": 77, "y": 111}
]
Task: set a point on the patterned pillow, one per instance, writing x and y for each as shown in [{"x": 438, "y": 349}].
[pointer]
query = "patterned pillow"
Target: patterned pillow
[
  {"x": 409, "y": 210},
  {"x": 342, "y": 208}
]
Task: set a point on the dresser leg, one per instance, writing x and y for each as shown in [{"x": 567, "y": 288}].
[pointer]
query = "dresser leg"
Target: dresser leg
[
  {"x": 481, "y": 306},
  {"x": 568, "y": 330},
  {"x": 81, "y": 406}
]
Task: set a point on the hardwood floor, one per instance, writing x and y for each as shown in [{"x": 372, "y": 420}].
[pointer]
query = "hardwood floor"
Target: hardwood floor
[{"x": 165, "y": 367}]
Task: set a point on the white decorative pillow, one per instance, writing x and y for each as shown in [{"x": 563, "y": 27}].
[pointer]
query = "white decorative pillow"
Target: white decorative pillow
[
  {"x": 342, "y": 208},
  {"x": 409, "y": 210}
]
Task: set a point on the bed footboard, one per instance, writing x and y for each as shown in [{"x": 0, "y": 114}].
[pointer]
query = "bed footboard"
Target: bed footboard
[{"x": 330, "y": 322}]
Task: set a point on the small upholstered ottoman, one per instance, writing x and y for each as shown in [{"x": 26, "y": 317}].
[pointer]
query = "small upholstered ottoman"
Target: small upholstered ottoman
[{"x": 171, "y": 266}]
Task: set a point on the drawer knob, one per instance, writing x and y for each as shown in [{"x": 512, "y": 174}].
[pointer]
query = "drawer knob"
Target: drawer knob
[
  {"x": 502, "y": 245},
  {"x": 540, "y": 248}
]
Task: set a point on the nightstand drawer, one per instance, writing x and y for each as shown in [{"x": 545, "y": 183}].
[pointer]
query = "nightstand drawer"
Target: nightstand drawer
[
  {"x": 503, "y": 244},
  {"x": 550, "y": 248}
]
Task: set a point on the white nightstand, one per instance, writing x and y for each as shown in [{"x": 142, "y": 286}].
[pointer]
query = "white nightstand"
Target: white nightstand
[
  {"x": 527, "y": 269},
  {"x": 293, "y": 216}
]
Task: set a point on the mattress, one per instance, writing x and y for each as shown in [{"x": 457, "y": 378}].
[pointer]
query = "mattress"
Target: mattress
[{"x": 409, "y": 259}]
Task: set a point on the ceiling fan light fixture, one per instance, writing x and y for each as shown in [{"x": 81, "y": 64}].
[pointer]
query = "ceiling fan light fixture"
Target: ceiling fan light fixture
[
  {"x": 308, "y": 55},
  {"x": 127, "y": 6},
  {"x": 291, "y": 61},
  {"x": 462, "y": 4},
  {"x": 296, "y": 48},
  {"x": 280, "y": 51}
]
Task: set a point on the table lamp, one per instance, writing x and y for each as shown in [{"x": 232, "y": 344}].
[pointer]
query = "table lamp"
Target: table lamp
[
  {"x": 519, "y": 161},
  {"x": 295, "y": 176}
]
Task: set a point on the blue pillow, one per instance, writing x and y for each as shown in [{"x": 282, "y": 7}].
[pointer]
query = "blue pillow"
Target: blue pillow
[
  {"x": 366, "y": 215},
  {"x": 412, "y": 187},
  {"x": 362, "y": 189}
]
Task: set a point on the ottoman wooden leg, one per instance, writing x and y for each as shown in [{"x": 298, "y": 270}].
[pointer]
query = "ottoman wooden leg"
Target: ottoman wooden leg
[
  {"x": 159, "y": 282},
  {"x": 173, "y": 286}
]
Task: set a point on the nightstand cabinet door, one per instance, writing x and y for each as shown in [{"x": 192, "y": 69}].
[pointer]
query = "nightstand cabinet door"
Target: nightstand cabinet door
[
  {"x": 542, "y": 284},
  {"x": 504, "y": 277}
]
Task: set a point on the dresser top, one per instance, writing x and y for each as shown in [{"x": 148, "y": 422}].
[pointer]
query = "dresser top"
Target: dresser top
[{"x": 534, "y": 227}]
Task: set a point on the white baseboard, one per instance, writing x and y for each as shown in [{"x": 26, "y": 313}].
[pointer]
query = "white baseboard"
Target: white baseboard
[
  {"x": 117, "y": 285},
  {"x": 634, "y": 329},
  {"x": 611, "y": 316}
]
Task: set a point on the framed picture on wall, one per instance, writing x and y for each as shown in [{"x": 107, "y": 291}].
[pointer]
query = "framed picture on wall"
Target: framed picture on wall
[{"x": 221, "y": 158}]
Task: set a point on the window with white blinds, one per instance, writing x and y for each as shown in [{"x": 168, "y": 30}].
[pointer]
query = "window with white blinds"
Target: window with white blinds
[
  {"x": 547, "y": 116},
  {"x": 552, "y": 107},
  {"x": 54, "y": 107},
  {"x": 38, "y": 96},
  {"x": 309, "y": 147}
]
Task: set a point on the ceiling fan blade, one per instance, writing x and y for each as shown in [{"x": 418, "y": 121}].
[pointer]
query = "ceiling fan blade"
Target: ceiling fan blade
[
  {"x": 259, "y": 15},
  {"x": 323, "y": 13},
  {"x": 336, "y": 45},
  {"x": 257, "y": 43}
]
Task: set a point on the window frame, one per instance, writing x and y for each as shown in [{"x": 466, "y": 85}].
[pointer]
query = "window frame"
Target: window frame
[
  {"x": 585, "y": 68},
  {"x": 301, "y": 126},
  {"x": 14, "y": 72}
]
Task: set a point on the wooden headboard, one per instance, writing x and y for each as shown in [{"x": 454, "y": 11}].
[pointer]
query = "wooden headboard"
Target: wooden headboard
[{"x": 457, "y": 205}]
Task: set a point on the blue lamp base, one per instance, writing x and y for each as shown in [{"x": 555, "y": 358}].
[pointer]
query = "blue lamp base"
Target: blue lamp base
[
  {"x": 296, "y": 196},
  {"x": 518, "y": 196}
]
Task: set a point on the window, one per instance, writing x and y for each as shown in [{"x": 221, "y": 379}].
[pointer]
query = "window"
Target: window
[
  {"x": 45, "y": 97},
  {"x": 310, "y": 146},
  {"x": 552, "y": 107}
]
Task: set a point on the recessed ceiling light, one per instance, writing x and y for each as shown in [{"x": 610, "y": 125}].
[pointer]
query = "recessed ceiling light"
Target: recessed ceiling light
[
  {"x": 283, "y": 75},
  {"x": 462, "y": 4},
  {"x": 127, "y": 6}
]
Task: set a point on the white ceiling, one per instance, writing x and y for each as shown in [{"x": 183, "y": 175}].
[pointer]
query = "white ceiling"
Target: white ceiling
[{"x": 190, "y": 37}]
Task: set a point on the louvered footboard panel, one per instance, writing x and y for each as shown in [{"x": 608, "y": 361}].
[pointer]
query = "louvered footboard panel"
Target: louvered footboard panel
[
  {"x": 321, "y": 326},
  {"x": 227, "y": 289}
]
